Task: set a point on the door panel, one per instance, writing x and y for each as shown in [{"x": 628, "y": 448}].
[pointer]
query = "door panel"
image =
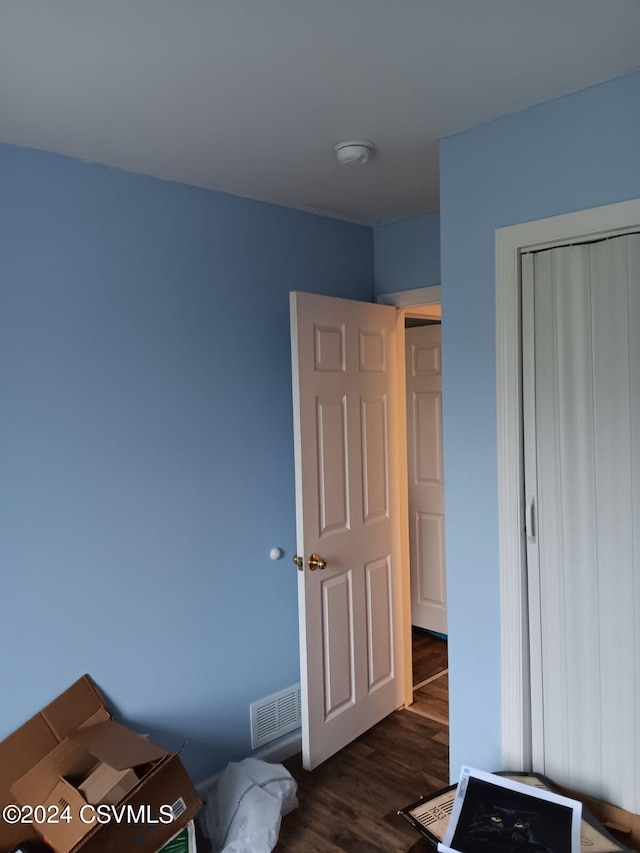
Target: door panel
[
  {"x": 373, "y": 421},
  {"x": 379, "y": 623},
  {"x": 333, "y": 485},
  {"x": 337, "y": 613},
  {"x": 346, "y": 449}
]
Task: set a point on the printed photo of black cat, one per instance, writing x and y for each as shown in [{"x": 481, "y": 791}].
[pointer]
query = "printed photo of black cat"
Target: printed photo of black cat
[{"x": 494, "y": 819}]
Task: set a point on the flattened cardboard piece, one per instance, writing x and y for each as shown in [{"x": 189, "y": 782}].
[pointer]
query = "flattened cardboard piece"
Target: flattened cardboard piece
[
  {"x": 107, "y": 785},
  {"x": 117, "y": 745},
  {"x": 613, "y": 818},
  {"x": 100, "y": 716},
  {"x": 67, "y": 759}
]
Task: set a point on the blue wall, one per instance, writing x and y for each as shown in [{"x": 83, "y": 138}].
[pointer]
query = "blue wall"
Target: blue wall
[
  {"x": 573, "y": 153},
  {"x": 407, "y": 253},
  {"x": 145, "y": 417},
  {"x": 146, "y": 451}
]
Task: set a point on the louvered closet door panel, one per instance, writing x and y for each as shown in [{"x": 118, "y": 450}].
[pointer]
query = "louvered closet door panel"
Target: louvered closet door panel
[{"x": 586, "y": 353}]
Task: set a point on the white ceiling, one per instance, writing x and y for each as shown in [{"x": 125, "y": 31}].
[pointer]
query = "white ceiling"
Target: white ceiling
[{"x": 248, "y": 96}]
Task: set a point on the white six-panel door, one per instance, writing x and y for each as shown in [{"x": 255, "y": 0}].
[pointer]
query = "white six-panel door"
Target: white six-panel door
[
  {"x": 345, "y": 436},
  {"x": 425, "y": 477},
  {"x": 581, "y": 342}
]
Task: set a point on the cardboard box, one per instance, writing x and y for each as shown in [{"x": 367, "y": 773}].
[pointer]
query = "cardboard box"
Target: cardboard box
[{"x": 49, "y": 762}]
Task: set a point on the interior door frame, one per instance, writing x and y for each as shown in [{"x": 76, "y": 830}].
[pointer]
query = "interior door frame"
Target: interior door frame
[
  {"x": 510, "y": 242},
  {"x": 408, "y": 303}
]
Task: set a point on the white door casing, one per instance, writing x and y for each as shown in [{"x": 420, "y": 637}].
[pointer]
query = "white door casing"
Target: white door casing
[
  {"x": 345, "y": 439},
  {"x": 425, "y": 476}
]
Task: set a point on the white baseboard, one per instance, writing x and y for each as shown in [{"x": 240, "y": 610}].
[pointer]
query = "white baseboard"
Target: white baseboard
[
  {"x": 279, "y": 750},
  {"x": 275, "y": 753}
]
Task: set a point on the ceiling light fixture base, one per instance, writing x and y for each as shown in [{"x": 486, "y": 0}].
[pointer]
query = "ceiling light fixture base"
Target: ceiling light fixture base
[{"x": 351, "y": 151}]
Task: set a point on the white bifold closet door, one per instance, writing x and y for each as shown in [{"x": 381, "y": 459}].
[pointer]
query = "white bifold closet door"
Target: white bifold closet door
[{"x": 581, "y": 396}]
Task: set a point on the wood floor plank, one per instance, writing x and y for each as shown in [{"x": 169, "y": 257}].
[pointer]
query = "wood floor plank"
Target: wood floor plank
[
  {"x": 429, "y": 655},
  {"x": 432, "y": 700},
  {"x": 297, "y": 836},
  {"x": 443, "y": 738}
]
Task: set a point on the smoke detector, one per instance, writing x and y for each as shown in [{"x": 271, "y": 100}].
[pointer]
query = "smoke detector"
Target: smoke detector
[{"x": 354, "y": 151}]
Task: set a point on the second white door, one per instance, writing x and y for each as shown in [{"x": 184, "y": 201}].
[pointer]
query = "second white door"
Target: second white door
[{"x": 426, "y": 482}]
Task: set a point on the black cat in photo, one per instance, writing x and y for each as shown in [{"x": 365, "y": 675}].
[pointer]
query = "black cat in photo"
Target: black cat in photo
[{"x": 495, "y": 829}]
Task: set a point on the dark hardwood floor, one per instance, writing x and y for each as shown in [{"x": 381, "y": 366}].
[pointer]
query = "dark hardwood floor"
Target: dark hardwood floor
[
  {"x": 432, "y": 700},
  {"x": 429, "y": 656},
  {"x": 349, "y": 803}
]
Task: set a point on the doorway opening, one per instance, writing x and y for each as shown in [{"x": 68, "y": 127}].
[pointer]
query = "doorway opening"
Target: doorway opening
[
  {"x": 419, "y": 318},
  {"x": 426, "y": 513},
  {"x": 430, "y": 671}
]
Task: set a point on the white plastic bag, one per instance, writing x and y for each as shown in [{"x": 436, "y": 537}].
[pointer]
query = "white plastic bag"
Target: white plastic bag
[{"x": 243, "y": 813}]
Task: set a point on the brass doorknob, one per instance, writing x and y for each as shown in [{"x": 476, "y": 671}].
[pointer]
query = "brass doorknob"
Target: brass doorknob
[
  {"x": 315, "y": 561},
  {"x": 299, "y": 562}
]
